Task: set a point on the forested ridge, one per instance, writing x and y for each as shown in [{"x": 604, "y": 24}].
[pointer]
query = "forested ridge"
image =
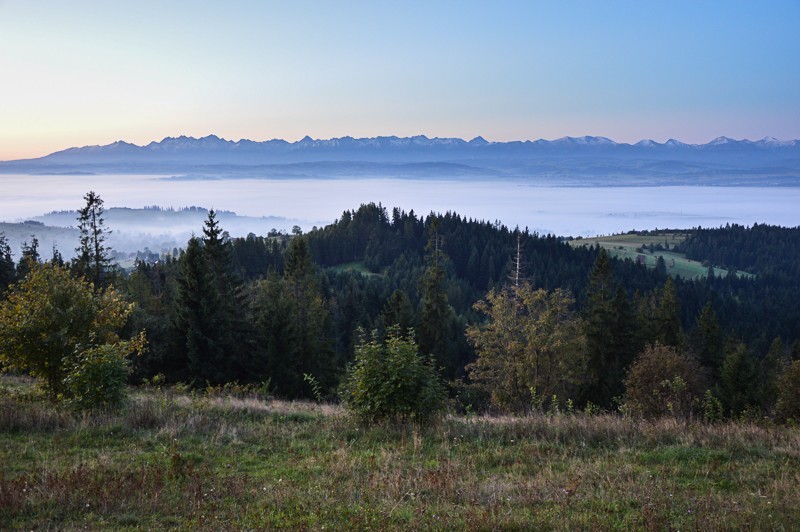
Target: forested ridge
[{"x": 511, "y": 318}]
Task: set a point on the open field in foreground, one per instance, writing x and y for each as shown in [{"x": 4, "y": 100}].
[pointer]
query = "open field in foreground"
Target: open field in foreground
[{"x": 216, "y": 462}]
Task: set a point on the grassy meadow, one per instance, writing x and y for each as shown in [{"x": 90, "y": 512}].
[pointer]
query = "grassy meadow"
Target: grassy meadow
[
  {"x": 170, "y": 459},
  {"x": 631, "y": 245}
]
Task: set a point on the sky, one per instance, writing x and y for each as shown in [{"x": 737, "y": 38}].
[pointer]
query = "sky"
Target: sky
[{"x": 92, "y": 72}]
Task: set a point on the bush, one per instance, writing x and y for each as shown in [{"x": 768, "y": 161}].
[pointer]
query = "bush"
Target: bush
[
  {"x": 390, "y": 380},
  {"x": 62, "y": 331},
  {"x": 787, "y": 407},
  {"x": 663, "y": 382},
  {"x": 98, "y": 377}
]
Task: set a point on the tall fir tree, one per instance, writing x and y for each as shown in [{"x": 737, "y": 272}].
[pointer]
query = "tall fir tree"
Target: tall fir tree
[
  {"x": 93, "y": 260},
  {"x": 708, "y": 342},
  {"x": 738, "y": 380},
  {"x": 311, "y": 351},
  {"x": 435, "y": 329},
  {"x": 210, "y": 310},
  {"x": 7, "y": 270},
  {"x": 397, "y": 311},
  {"x": 598, "y": 319},
  {"x": 29, "y": 259},
  {"x": 667, "y": 321},
  {"x": 197, "y": 318},
  {"x": 625, "y": 343}
]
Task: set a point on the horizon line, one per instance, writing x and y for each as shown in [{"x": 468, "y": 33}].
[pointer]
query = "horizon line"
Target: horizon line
[{"x": 308, "y": 138}]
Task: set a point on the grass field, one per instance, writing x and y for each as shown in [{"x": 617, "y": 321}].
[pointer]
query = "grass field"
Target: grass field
[
  {"x": 172, "y": 460},
  {"x": 630, "y": 246}
]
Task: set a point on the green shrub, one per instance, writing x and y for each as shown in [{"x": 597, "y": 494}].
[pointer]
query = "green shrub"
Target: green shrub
[
  {"x": 712, "y": 407},
  {"x": 663, "y": 382},
  {"x": 98, "y": 377},
  {"x": 390, "y": 380}
]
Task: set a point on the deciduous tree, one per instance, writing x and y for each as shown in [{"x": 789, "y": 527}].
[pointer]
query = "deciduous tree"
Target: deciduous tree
[{"x": 60, "y": 330}]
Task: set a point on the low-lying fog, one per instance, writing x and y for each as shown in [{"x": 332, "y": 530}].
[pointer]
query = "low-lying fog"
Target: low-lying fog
[{"x": 281, "y": 204}]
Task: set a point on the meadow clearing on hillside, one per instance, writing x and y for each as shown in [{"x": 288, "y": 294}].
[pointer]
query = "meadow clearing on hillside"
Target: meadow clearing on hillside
[
  {"x": 226, "y": 461},
  {"x": 634, "y": 245}
]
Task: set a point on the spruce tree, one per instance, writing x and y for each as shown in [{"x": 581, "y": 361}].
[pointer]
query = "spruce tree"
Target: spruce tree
[
  {"x": 311, "y": 349},
  {"x": 435, "y": 329},
  {"x": 272, "y": 318},
  {"x": 209, "y": 304},
  {"x": 93, "y": 260},
  {"x": 737, "y": 380},
  {"x": 667, "y": 324},
  {"x": 7, "y": 270},
  {"x": 598, "y": 316},
  {"x": 30, "y": 258},
  {"x": 397, "y": 311},
  {"x": 197, "y": 318},
  {"x": 708, "y": 341}
]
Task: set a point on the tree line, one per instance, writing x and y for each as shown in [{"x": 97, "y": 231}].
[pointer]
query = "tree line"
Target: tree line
[{"x": 511, "y": 320}]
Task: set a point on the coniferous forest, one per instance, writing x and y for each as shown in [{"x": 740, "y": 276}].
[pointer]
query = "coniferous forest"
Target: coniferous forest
[
  {"x": 511, "y": 320},
  {"x": 397, "y": 371}
]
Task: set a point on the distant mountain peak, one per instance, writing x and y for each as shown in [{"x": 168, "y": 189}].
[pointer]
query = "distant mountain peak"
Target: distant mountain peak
[
  {"x": 721, "y": 140},
  {"x": 647, "y": 143},
  {"x": 675, "y": 143},
  {"x": 585, "y": 141},
  {"x": 479, "y": 141}
]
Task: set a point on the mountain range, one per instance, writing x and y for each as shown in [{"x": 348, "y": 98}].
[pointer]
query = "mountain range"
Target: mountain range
[{"x": 568, "y": 160}]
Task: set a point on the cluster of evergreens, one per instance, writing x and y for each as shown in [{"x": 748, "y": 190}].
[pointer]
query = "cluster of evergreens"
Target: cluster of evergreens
[{"x": 512, "y": 320}]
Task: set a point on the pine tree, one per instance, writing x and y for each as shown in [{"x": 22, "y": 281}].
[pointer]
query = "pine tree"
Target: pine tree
[
  {"x": 435, "y": 329},
  {"x": 197, "y": 318},
  {"x": 311, "y": 349},
  {"x": 598, "y": 315},
  {"x": 30, "y": 258},
  {"x": 737, "y": 380},
  {"x": 7, "y": 270},
  {"x": 93, "y": 260},
  {"x": 661, "y": 265},
  {"x": 708, "y": 341},
  {"x": 770, "y": 369},
  {"x": 667, "y": 324},
  {"x": 208, "y": 303},
  {"x": 625, "y": 343},
  {"x": 397, "y": 311},
  {"x": 272, "y": 316}
]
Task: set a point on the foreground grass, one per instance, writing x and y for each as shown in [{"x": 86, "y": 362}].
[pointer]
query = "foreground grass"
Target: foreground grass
[{"x": 173, "y": 460}]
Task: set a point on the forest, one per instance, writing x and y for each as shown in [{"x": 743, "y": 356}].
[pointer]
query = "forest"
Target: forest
[{"x": 511, "y": 320}]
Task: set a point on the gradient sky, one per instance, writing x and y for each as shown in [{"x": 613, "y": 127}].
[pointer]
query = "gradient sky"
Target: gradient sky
[{"x": 91, "y": 72}]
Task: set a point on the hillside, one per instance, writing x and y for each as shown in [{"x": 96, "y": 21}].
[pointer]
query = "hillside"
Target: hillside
[
  {"x": 157, "y": 229},
  {"x": 646, "y": 248}
]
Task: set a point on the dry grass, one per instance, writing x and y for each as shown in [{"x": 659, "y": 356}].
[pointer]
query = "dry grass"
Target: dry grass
[{"x": 175, "y": 460}]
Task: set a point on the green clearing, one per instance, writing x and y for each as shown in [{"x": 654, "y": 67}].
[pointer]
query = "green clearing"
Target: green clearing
[
  {"x": 632, "y": 245},
  {"x": 357, "y": 267},
  {"x": 177, "y": 460}
]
